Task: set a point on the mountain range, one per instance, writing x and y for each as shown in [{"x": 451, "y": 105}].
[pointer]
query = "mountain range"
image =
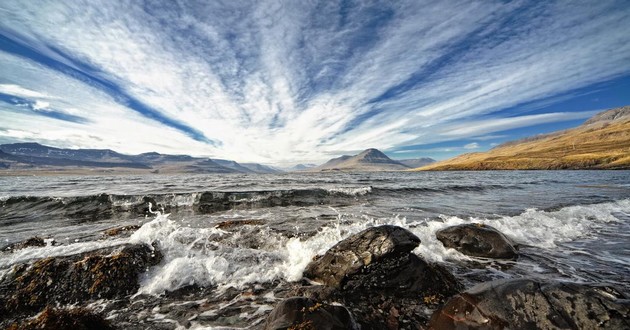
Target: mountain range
[
  {"x": 602, "y": 142},
  {"x": 34, "y": 157}
]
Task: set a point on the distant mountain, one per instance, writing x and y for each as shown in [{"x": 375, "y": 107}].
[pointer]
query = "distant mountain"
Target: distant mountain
[
  {"x": 92, "y": 155},
  {"x": 602, "y": 142},
  {"x": 261, "y": 169},
  {"x": 301, "y": 167},
  {"x": 34, "y": 157},
  {"x": 233, "y": 165},
  {"x": 368, "y": 160},
  {"x": 417, "y": 162}
]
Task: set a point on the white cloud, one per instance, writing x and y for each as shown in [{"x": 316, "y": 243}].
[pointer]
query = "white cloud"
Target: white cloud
[
  {"x": 41, "y": 105},
  {"x": 21, "y": 91},
  {"x": 278, "y": 82},
  {"x": 470, "y": 146}
]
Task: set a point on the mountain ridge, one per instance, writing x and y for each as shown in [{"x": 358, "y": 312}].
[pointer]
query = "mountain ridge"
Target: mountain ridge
[
  {"x": 601, "y": 142},
  {"x": 30, "y": 157}
]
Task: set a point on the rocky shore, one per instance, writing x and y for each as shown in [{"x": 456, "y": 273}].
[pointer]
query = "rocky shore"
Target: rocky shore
[{"x": 370, "y": 280}]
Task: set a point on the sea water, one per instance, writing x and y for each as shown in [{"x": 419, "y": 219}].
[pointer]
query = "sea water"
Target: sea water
[{"x": 240, "y": 240}]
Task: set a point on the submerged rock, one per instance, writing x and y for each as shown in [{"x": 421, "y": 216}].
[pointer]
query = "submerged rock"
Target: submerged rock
[
  {"x": 304, "y": 313},
  {"x": 478, "y": 240},
  {"x": 350, "y": 255},
  {"x": 376, "y": 276},
  {"x": 31, "y": 242},
  {"x": 107, "y": 273},
  {"x": 533, "y": 304},
  {"x": 62, "y": 319}
]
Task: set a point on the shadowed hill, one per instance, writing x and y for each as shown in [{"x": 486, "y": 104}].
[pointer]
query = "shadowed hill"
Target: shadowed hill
[
  {"x": 368, "y": 160},
  {"x": 602, "y": 142}
]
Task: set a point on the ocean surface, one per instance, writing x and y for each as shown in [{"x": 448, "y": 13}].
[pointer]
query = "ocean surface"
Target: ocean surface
[{"x": 233, "y": 243}]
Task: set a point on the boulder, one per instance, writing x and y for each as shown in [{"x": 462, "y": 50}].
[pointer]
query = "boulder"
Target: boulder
[
  {"x": 535, "y": 304},
  {"x": 31, "y": 242},
  {"x": 376, "y": 276},
  {"x": 71, "y": 318},
  {"x": 353, "y": 253},
  {"x": 304, "y": 313},
  {"x": 107, "y": 273},
  {"x": 478, "y": 240}
]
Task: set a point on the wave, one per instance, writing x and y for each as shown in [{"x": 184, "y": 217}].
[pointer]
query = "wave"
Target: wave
[
  {"x": 238, "y": 256},
  {"x": 443, "y": 189},
  {"x": 105, "y": 206},
  {"x": 212, "y": 256}
]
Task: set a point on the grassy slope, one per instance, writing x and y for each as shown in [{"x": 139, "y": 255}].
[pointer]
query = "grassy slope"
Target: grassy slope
[{"x": 600, "y": 145}]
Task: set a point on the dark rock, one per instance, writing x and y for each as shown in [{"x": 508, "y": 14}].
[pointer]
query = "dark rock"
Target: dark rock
[
  {"x": 63, "y": 319},
  {"x": 533, "y": 304},
  {"x": 33, "y": 241},
  {"x": 303, "y": 313},
  {"x": 478, "y": 240},
  {"x": 376, "y": 276},
  {"x": 119, "y": 230},
  {"x": 107, "y": 273},
  {"x": 237, "y": 223},
  {"x": 350, "y": 255}
]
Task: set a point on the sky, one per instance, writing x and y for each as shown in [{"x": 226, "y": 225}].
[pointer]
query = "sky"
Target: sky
[{"x": 286, "y": 82}]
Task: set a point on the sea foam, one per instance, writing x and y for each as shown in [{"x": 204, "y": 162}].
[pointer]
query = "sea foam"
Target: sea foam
[{"x": 211, "y": 256}]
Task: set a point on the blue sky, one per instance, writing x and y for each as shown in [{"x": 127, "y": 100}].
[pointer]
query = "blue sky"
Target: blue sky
[{"x": 284, "y": 82}]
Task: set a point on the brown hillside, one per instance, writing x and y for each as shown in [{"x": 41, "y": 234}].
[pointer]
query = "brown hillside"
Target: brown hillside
[{"x": 603, "y": 142}]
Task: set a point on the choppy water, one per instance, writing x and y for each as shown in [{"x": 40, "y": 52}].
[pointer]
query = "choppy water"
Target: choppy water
[{"x": 572, "y": 225}]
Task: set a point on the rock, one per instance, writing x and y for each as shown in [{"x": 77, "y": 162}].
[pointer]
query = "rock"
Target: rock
[
  {"x": 33, "y": 241},
  {"x": 62, "y": 319},
  {"x": 119, "y": 230},
  {"x": 376, "y": 276},
  {"x": 237, "y": 223},
  {"x": 107, "y": 273},
  {"x": 534, "y": 304},
  {"x": 304, "y": 313},
  {"x": 359, "y": 250},
  {"x": 478, "y": 240}
]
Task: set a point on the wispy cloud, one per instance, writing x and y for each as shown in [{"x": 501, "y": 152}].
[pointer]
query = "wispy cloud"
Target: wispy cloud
[
  {"x": 471, "y": 146},
  {"x": 271, "y": 82}
]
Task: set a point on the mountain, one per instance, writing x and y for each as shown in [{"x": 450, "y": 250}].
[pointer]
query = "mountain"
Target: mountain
[
  {"x": 416, "y": 162},
  {"x": 602, "y": 142},
  {"x": 301, "y": 167},
  {"x": 261, "y": 169},
  {"x": 34, "y": 157},
  {"x": 92, "y": 155},
  {"x": 368, "y": 160},
  {"x": 233, "y": 165}
]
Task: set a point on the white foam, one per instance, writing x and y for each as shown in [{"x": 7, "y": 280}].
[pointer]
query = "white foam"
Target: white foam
[
  {"x": 210, "y": 256},
  {"x": 31, "y": 253},
  {"x": 352, "y": 191}
]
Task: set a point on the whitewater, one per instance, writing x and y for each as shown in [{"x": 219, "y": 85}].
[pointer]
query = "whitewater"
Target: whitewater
[{"x": 232, "y": 244}]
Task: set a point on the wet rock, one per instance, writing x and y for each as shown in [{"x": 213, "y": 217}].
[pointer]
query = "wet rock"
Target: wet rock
[
  {"x": 350, "y": 255},
  {"x": 376, "y": 276},
  {"x": 31, "y": 242},
  {"x": 107, "y": 273},
  {"x": 478, "y": 240},
  {"x": 238, "y": 223},
  {"x": 62, "y": 319},
  {"x": 533, "y": 304},
  {"x": 120, "y": 230},
  {"x": 303, "y": 313}
]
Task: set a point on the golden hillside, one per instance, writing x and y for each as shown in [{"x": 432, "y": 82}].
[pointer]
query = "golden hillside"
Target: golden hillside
[{"x": 603, "y": 142}]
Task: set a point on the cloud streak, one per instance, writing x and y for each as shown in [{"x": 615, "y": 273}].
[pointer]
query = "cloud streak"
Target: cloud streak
[{"x": 300, "y": 81}]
